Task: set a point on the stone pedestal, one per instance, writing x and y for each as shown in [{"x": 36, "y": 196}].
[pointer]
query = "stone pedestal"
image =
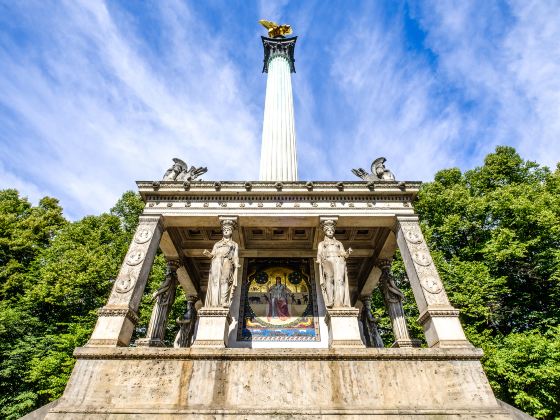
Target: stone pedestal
[
  {"x": 344, "y": 330},
  {"x": 213, "y": 325},
  {"x": 154, "y": 383}
]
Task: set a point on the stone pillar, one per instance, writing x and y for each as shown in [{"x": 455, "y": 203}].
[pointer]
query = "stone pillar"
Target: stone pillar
[
  {"x": 371, "y": 332},
  {"x": 278, "y": 152},
  {"x": 438, "y": 318},
  {"x": 164, "y": 298},
  {"x": 118, "y": 317},
  {"x": 393, "y": 298}
]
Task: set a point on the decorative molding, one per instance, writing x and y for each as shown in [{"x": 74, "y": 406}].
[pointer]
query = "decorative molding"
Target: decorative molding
[
  {"x": 213, "y": 312},
  {"x": 209, "y": 343},
  {"x": 148, "y": 342},
  {"x": 433, "y": 313},
  {"x": 105, "y": 342},
  {"x": 346, "y": 343},
  {"x": 341, "y": 313},
  {"x": 125, "y": 312},
  {"x": 190, "y": 353},
  {"x": 149, "y": 219}
]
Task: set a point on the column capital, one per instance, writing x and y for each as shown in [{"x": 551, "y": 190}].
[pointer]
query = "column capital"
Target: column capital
[
  {"x": 283, "y": 47},
  {"x": 384, "y": 263},
  {"x": 229, "y": 220},
  {"x": 173, "y": 263},
  {"x": 328, "y": 219}
]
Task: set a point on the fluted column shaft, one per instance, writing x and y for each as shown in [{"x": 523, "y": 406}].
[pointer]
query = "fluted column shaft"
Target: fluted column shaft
[{"x": 278, "y": 153}]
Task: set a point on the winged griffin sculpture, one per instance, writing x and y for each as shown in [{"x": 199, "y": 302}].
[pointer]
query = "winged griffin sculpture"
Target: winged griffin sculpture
[
  {"x": 275, "y": 30},
  {"x": 180, "y": 171},
  {"x": 378, "y": 171}
]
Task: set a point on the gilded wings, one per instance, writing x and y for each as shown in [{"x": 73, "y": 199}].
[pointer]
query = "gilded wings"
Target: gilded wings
[{"x": 275, "y": 30}]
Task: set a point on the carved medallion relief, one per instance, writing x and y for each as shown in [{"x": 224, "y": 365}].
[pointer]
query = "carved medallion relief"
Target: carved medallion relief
[{"x": 423, "y": 264}]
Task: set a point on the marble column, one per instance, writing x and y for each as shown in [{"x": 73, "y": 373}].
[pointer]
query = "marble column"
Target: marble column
[
  {"x": 278, "y": 150},
  {"x": 163, "y": 301},
  {"x": 438, "y": 318},
  {"x": 369, "y": 323},
  {"x": 393, "y": 298},
  {"x": 118, "y": 317}
]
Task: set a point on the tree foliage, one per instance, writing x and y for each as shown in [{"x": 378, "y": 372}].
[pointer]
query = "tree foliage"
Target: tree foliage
[
  {"x": 494, "y": 232},
  {"x": 54, "y": 274}
]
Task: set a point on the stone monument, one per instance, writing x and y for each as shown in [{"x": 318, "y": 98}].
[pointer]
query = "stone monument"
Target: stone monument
[{"x": 284, "y": 326}]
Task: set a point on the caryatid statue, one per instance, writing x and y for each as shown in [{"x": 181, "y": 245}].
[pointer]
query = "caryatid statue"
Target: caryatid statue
[
  {"x": 222, "y": 279},
  {"x": 331, "y": 258},
  {"x": 186, "y": 324},
  {"x": 163, "y": 299}
]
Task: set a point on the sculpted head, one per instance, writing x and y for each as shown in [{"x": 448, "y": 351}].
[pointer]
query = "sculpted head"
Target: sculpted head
[
  {"x": 329, "y": 227},
  {"x": 227, "y": 228},
  {"x": 378, "y": 166}
]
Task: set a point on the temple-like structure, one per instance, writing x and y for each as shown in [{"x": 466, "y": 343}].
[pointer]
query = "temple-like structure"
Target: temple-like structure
[{"x": 278, "y": 275}]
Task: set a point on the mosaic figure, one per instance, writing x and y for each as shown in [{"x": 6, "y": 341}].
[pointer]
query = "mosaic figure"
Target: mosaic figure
[{"x": 278, "y": 296}]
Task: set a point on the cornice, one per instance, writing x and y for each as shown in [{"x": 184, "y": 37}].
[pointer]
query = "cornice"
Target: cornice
[{"x": 396, "y": 354}]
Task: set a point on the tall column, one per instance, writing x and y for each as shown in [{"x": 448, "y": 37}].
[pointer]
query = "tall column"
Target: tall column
[
  {"x": 164, "y": 297},
  {"x": 118, "y": 317},
  {"x": 438, "y": 318},
  {"x": 393, "y": 298},
  {"x": 278, "y": 150}
]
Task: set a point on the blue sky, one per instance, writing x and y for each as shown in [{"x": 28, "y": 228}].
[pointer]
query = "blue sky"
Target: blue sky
[{"x": 95, "y": 95}]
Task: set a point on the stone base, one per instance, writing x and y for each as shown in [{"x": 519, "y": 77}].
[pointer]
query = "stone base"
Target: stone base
[
  {"x": 150, "y": 342},
  {"x": 390, "y": 383},
  {"x": 407, "y": 343},
  {"x": 344, "y": 329},
  {"x": 213, "y": 326}
]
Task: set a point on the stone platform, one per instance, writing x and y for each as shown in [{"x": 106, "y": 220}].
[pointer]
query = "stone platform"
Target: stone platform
[{"x": 395, "y": 383}]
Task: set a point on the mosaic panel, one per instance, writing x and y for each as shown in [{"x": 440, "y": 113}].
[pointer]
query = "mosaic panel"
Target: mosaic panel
[{"x": 278, "y": 301}]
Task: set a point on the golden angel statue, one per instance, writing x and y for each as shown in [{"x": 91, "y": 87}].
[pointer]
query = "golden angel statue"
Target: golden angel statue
[{"x": 275, "y": 30}]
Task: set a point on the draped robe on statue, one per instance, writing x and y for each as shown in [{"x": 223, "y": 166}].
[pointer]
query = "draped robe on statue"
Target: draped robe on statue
[
  {"x": 333, "y": 274},
  {"x": 223, "y": 273}
]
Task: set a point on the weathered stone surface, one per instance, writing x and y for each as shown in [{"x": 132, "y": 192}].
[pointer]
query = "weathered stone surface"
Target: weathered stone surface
[{"x": 313, "y": 383}]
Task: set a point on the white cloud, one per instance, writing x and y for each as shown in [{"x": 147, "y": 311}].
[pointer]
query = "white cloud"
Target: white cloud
[{"x": 98, "y": 114}]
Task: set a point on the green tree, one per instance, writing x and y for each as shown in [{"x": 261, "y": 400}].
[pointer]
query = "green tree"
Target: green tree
[{"x": 494, "y": 232}]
